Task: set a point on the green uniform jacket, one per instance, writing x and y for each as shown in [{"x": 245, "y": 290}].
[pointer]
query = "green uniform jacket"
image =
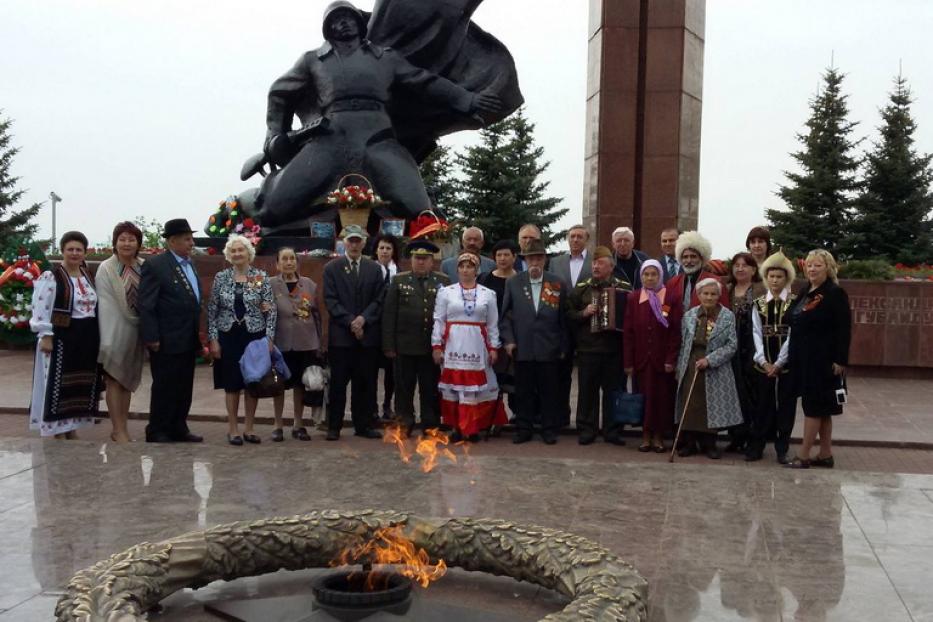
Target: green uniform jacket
[
  {"x": 580, "y": 297},
  {"x": 408, "y": 313}
]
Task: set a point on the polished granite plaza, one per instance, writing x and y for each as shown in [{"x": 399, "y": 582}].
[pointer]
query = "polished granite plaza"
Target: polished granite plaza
[{"x": 715, "y": 542}]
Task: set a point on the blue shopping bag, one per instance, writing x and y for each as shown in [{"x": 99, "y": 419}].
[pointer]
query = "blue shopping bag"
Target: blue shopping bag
[{"x": 627, "y": 408}]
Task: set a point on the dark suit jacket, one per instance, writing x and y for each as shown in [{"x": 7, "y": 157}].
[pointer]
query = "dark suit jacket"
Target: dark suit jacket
[
  {"x": 169, "y": 311},
  {"x": 408, "y": 313},
  {"x": 541, "y": 335},
  {"x": 667, "y": 276},
  {"x": 560, "y": 266},
  {"x": 347, "y": 297}
]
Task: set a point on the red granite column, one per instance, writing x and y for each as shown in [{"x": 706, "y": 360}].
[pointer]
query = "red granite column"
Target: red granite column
[{"x": 644, "y": 95}]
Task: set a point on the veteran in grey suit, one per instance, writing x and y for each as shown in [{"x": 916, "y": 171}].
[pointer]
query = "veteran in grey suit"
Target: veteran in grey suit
[
  {"x": 533, "y": 329},
  {"x": 354, "y": 288},
  {"x": 572, "y": 268}
]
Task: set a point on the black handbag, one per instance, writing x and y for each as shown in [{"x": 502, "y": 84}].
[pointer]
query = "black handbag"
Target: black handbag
[{"x": 270, "y": 385}]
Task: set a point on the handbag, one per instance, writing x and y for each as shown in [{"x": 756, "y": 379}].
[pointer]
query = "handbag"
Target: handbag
[
  {"x": 627, "y": 408},
  {"x": 270, "y": 385}
]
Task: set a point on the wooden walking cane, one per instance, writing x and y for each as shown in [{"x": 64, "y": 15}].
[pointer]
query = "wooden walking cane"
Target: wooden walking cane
[{"x": 683, "y": 415}]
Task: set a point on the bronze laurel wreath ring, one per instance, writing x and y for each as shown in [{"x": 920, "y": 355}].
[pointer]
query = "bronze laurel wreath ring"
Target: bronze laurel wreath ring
[{"x": 121, "y": 588}]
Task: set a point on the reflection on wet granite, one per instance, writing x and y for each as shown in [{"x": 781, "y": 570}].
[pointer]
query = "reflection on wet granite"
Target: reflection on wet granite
[{"x": 715, "y": 543}]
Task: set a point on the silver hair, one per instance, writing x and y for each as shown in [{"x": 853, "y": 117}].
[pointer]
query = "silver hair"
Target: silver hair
[
  {"x": 707, "y": 282},
  {"x": 237, "y": 238},
  {"x": 622, "y": 231},
  {"x": 473, "y": 228}
]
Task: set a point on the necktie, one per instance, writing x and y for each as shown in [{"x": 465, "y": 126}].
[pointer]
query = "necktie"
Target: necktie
[{"x": 355, "y": 268}]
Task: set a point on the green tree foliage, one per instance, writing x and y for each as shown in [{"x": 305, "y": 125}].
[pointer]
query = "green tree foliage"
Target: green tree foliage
[
  {"x": 892, "y": 213},
  {"x": 819, "y": 198},
  {"x": 437, "y": 173},
  {"x": 500, "y": 188},
  {"x": 14, "y": 223},
  {"x": 152, "y": 231}
]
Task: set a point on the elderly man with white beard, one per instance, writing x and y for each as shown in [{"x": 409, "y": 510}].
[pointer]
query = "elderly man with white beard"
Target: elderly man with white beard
[
  {"x": 533, "y": 329},
  {"x": 692, "y": 251}
]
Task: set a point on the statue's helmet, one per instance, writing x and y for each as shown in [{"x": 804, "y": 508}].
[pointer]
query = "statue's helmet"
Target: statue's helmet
[{"x": 338, "y": 6}]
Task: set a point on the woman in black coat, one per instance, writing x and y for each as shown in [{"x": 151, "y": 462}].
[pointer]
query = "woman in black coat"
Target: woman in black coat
[{"x": 820, "y": 331}]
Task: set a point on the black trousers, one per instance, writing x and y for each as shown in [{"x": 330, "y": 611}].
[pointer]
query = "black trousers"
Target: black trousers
[
  {"x": 565, "y": 383},
  {"x": 420, "y": 370},
  {"x": 597, "y": 372},
  {"x": 773, "y": 417},
  {"x": 360, "y": 366},
  {"x": 388, "y": 382},
  {"x": 537, "y": 384},
  {"x": 172, "y": 386}
]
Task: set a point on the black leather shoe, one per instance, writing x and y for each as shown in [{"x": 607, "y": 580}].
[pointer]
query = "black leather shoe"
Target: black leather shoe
[
  {"x": 586, "y": 439},
  {"x": 332, "y": 435},
  {"x": 521, "y": 437},
  {"x": 549, "y": 439},
  {"x": 824, "y": 463},
  {"x": 191, "y": 438},
  {"x": 687, "y": 450},
  {"x": 782, "y": 458},
  {"x": 713, "y": 453},
  {"x": 370, "y": 433},
  {"x": 752, "y": 457},
  {"x": 159, "y": 438},
  {"x": 235, "y": 439},
  {"x": 616, "y": 440}
]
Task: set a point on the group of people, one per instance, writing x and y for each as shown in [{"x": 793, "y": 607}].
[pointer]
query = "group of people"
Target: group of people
[{"x": 707, "y": 352}]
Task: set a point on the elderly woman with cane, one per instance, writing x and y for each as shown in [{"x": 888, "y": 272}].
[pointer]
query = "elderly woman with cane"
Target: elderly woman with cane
[{"x": 706, "y": 394}]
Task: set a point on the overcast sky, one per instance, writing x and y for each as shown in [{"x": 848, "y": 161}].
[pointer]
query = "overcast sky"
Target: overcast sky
[{"x": 149, "y": 108}]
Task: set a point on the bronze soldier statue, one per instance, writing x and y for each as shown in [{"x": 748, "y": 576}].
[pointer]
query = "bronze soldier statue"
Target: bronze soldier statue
[{"x": 344, "y": 92}]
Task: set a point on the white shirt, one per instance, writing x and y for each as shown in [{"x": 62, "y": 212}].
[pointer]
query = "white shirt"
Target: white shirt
[
  {"x": 757, "y": 335},
  {"x": 576, "y": 265},
  {"x": 536, "y": 291}
]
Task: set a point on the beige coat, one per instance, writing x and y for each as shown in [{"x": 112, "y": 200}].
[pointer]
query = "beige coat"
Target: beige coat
[
  {"x": 121, "y": 349},
  {"x": 299, "y": 327}
]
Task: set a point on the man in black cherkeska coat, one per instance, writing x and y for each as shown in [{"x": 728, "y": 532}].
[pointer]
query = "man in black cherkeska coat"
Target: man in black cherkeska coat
[
  {"x": 354, "y": 287},
  {"x": 169, "y": 305}
]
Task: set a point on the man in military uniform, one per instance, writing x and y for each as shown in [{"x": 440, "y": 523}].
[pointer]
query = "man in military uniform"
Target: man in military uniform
[
  {"x": 407, "y": 320},
  {"x": 599, "y": 353}
]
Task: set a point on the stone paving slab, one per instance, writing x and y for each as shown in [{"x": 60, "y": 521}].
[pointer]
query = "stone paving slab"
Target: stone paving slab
[
  {"x": 716, "y": 543},
  {"x": 891, "y": 412}
]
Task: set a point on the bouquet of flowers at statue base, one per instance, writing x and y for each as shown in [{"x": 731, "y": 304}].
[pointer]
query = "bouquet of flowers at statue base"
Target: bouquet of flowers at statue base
[
  {"x": 354, "y": 202},
  {"x": 16, "y": 281}
]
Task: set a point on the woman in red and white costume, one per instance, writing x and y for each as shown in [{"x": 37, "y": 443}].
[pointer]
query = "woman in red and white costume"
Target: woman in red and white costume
[{"x": 465, "y": 340}]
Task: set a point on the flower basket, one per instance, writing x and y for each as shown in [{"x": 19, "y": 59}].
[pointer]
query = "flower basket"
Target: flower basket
[
  {"x": 430, "y": 226},
  {"x": 354, "y": 201}
]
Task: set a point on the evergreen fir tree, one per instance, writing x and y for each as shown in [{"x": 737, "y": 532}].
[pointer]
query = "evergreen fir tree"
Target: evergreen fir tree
[
  {"x": 437, "y": 173},
  {"x": 819, "y": 198},
  {"x": 13, "y": 223},
  {"x": 501, "y": 188},
  {"x": 892, "y": 219}
]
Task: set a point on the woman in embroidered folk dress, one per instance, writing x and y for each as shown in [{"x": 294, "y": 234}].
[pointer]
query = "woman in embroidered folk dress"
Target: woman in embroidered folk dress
[
  {"x": 241, "y": 310},
  {"x": 121, "y": 349},
  {"x": 66, "y": 382},
  {"x": 297, "y": 336},
  {"x": 651, "y": 342},
  {"x": 465, "y": 340}
]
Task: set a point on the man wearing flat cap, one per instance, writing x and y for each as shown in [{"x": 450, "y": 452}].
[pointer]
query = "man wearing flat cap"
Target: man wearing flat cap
[
  {"x": 599, "y": 352},
  {"x": 353, "y": 290},
  {"x": 169, "y": 303},
  {"x": 533, "y": 329},
  {"x": 407, "y": 321}
]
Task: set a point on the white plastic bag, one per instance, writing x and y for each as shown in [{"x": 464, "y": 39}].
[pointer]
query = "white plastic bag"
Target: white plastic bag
[{"x": 313, "y": 378}]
